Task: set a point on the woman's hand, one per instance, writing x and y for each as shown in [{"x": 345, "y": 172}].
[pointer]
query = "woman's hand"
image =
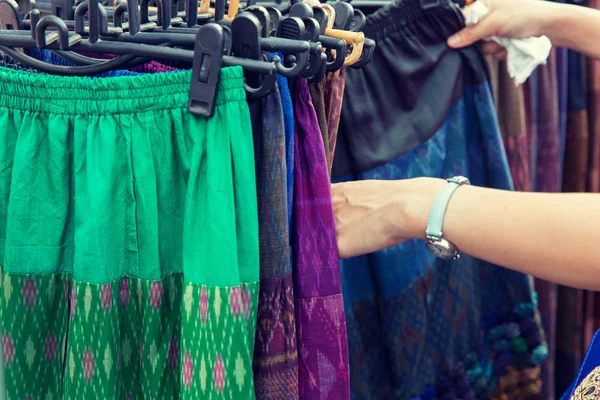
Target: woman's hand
[
  {"x": 373, "y": 215},
  {"x": 507, "y": 18}
]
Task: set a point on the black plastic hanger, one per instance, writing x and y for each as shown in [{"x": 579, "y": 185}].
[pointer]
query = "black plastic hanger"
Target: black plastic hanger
[
  {"x": 297, "y": 50},
  {"x": 358, "y": 23},
  {"x": 60, "y": 38},
  {"x": 264, "y": 18},
  {"x": 359, "y": 20},
  {"x": 150, "y": 33},
  {"x": 321, "y": 72},
  {"x": 274, "y": 18},
  {"x": 246, "y": 43},
  {"x": 208, "y": 57},
  {"x": 308, "y": 29},
  {"x": 318, "y": 25},
  {"x": 64, "y": 9},
  {"x": 312, "y": 32},
  {"x": 332, "y": 45},
  {"x": 344, "y": 13},
  {"x": 305, "y": 13},
  {"x": 25, "y": 6}
]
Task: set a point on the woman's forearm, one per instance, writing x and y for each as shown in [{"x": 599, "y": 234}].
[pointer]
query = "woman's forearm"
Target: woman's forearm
[
  {"x": 551, "y": 236},
  {"x": 571, "y": 26}
]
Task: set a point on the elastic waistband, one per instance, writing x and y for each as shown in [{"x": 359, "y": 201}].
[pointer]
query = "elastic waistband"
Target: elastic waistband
[
  {"x": 395, "y": 17},
  {"x": 33, "y": 92}
]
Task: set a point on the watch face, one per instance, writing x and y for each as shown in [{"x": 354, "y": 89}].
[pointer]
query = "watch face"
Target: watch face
[{"x": 442, "y": 249}]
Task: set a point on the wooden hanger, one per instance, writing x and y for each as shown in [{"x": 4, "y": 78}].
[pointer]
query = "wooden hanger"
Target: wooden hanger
[
  {"x": 354, "y": 39},
  {"x": 234, "y": 7},
  {"x": 203, "y": 8},
  {"x": 330, "y": 12}
]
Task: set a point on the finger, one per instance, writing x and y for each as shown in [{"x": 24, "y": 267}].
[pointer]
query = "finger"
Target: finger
[
  {"x": 495, "y": 50},
  {"x": 501, "y": 55},
  {"x": 491, "y": 48},
  {"x": 473, "y": 33},
  {"x": 339, "y": 202}
]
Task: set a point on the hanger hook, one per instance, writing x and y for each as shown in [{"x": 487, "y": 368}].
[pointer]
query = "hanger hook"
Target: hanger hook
[
  {"x": 118, "y": 14},
  {"x": 266, "y": 86},
  {"x": 164, "y": 13},
  {"x": 94, "y": 30},
  {"x": 46, "y": 22},
  {"x": 191, "y": 11},
  {"x": 144, "y": 4}
]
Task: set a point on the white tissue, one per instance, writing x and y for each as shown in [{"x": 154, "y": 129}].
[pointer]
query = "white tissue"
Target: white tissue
[{"x": 522, "y": 55}]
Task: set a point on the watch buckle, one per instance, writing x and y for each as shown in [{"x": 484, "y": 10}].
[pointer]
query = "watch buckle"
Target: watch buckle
[{"x": 433, "y": 238}]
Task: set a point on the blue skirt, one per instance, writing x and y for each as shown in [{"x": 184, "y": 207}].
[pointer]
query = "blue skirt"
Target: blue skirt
[{"x": 420, "y": 327}]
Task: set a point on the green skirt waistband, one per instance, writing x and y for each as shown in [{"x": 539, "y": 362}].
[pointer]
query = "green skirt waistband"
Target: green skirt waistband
[{"x": 26, "y": 91}]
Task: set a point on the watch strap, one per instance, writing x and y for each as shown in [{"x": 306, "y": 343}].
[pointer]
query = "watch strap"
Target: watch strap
[{"x": 440, "y": 203}]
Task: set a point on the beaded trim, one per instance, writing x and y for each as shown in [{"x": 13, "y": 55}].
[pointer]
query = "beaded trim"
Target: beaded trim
[
  {"x": 518, "y": 349},
  {"x": 508, "y": 364}
]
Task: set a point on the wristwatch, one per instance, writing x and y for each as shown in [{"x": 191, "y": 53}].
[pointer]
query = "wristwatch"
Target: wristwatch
[{"x": 436, "y": 243}]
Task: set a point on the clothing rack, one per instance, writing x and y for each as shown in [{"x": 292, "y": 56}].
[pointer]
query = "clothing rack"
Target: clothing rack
[{"x": 205, "y": 40}]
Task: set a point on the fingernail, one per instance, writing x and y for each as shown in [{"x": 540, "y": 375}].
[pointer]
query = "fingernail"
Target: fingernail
[{"x": 454, "y": 40}]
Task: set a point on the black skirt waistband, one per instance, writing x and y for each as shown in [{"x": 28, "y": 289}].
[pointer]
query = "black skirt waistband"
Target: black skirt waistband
[{"x": 403, "y": 96}]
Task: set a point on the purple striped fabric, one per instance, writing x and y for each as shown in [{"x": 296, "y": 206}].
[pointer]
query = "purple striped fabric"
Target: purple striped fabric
[{"x": 323, "y": 368}]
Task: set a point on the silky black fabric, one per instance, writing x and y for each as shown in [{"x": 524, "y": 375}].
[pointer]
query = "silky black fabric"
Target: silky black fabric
[{"x": 403, "y": 95}]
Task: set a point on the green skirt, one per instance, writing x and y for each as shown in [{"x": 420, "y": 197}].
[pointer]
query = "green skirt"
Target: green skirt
[{"x": 129, "y": 234}]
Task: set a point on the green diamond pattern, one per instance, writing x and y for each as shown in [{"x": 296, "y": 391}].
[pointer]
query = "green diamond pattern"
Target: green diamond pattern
[{"x": 126, "y": 339}]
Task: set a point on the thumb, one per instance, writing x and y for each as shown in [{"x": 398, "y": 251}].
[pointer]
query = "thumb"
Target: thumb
[{"x": 472, "y": 33}]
